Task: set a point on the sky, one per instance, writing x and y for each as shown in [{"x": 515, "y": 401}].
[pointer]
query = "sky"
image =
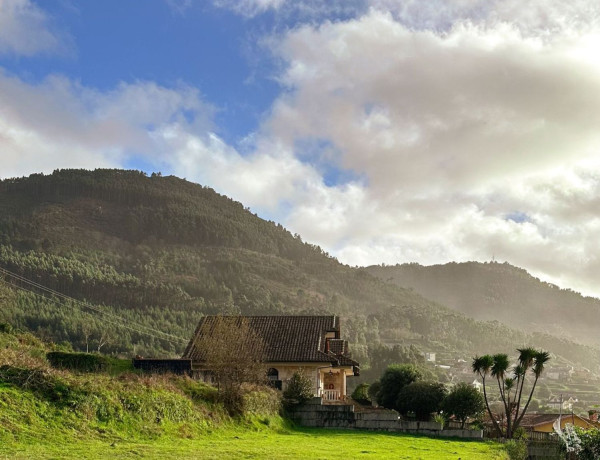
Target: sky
[{"x": 385, "y": 131}]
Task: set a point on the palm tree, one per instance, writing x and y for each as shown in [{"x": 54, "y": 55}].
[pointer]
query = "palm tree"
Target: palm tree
[
  {"x": 511, "y": 385},
  {"x": 499, "y": 370},
  {"x": 526, "y": 360},
  {"x": 482, "y": 365},
  {"x": 539, "y": 361}
]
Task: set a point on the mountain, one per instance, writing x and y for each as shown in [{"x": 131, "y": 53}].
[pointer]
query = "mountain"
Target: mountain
[
  {"x": 140, "y": 257},
  {"x": 502, "y": 292}
]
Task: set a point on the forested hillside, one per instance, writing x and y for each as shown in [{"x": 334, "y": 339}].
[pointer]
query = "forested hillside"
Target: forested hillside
[
  {"x": 160, "y": 252},
  {"x": 495, "y": 291}
]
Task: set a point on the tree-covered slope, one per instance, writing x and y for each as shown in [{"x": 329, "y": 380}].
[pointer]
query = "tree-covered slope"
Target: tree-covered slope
[
  {"x": 495, "y": 291},
  {"x": 159, "y": 252}
]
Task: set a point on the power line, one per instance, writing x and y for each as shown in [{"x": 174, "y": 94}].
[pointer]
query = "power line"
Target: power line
[{"x": 122, "y": 322}]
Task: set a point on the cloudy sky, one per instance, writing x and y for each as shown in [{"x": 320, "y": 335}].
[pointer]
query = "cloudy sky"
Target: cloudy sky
[{"x": 386, "y": 131}]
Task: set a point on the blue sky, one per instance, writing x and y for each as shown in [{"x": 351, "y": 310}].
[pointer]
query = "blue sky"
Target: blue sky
[
  {"x": 386, "y": 131},
  {"x": 111, "y": 41}
]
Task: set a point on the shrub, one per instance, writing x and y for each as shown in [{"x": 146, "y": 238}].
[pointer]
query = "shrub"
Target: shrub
[
  {"x": 298, "y": 391},
  {"x": 395, "y": 377},
  {"x": 589, "y": 443},
  {"x": 361, "y": 394},
  {"x": 373, "y": 391},
  {"x": 262, "y": 400},
  {"x": 421, "y": 398},
  {"x": 5, "y": 328},
  {"x": 82, "y": 362},
  {"x": 516, "y": 449},
  {"x": 464, "y": 401}
]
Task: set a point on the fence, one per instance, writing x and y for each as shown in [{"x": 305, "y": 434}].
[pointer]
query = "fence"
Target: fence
[{"x": 330, "y": 395}]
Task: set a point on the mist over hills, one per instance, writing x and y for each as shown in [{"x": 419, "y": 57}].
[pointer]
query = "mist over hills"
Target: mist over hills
[
  {"x": 499, "y": 291},
  {"x": 160, "y": 252}
]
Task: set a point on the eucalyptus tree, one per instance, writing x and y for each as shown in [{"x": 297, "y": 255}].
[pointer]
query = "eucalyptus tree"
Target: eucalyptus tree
[{"x": 511, "y": 383}]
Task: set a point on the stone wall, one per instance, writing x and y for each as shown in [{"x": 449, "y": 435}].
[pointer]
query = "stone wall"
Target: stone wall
[
  {"x": 315, "y": 414},
  {"x": 544, "y": 451}
]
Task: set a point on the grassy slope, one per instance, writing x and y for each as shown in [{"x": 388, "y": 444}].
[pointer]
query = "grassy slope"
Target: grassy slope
[{"x": 45, "y": 413}]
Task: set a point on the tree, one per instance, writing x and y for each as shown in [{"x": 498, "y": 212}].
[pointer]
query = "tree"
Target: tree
[
  {"x": 464, "y": 401},
  {"x": 374, "y": 391},
  {"x": 361, "y": 394},
  {"x": 421, "y": 398},
  {"x": 511, "y": 383},
  {"x": 299, "y": 389},
  {"x": 233, "y": 352},
  {"x": 395, "y": 377}
]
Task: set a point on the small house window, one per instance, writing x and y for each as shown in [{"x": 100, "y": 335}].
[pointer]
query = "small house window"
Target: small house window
[{"x": 273, "y": 378}]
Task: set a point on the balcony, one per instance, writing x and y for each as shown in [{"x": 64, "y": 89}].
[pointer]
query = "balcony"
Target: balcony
[{"x": 330, "y": 395}]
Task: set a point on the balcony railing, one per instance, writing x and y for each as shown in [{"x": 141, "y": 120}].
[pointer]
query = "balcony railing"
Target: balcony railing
[{"x": 330, "y": 395}]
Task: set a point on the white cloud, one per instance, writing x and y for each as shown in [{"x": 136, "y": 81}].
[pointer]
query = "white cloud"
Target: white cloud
[
  {"x": 25, "y": 29},
  {"x": 469, "y": 140},
  {"x": 63, "y": 124},
  {"x": 468, "y": 130},
  {"x": 60, "y": 123},
  {"x": 249, "y": 8}
]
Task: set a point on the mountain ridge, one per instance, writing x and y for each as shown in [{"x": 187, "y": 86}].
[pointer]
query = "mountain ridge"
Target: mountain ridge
[
  {"x": 161, "y": 251},
  {"x": 503, "y": 292}
]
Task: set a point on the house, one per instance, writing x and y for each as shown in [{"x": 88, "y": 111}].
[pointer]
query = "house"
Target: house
[
  {"x": 477, "y": 385},
  {"x": 311, "y": 344},
  {"x": 430, "y": 357},
  {"x": 558, "y": 403},
  {"x": 564, "y": 373},
  {"x": 547, "y": 423}
]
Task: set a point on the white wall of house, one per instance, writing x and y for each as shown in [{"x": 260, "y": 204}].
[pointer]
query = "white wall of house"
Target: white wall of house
[{"x": 323, "y": 376}]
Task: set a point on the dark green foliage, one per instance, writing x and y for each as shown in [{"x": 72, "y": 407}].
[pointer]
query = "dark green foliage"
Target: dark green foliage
[
  {"x": 374, "y": 391},
  {"x": 502, "y": 291},
  {"x": 299, "y": 390},
  {"x": 464, "y": 401},
  {"x": 590, "y": 443},
  {"x": 5, "y": 328},
  {"x": 421, "y": 399},
  {"x": 516, "y": 449},
  {"x": 361, "y": 394},
  {"x": 395, "y": 377},
  {"x": 160, "y": 252},
  {"x": 381, "y": 356},
  {"x": 80, "y": 362}
]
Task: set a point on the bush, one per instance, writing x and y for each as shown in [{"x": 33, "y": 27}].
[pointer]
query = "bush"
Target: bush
[
  {"x": 298, "y": 391},
  {"x": 396, "y": 377},
  {"x": 589, "y": 443},
  {"x": 516, "y": 449},
  {"x": 464, "y": 401},
  {"x": 361, "y": 394},
  {"x": 421, "y": 398},
  {"x": 373, "y": 391},
  {"x": 5, "y": 328},
  {"x": 82, "y": 362},
  {"x": 262, "y": 401}
]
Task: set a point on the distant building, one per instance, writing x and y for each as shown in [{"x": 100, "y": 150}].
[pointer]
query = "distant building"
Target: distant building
[
  {"x": 561, "y": 403},
  {"x": 430, "y": 357}
]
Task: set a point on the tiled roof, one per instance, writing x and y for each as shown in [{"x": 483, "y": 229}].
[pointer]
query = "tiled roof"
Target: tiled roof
[
  {"x": 532, "y": 420},
  {"x": 286, "y": 338},
  {"x": 338, "y": 346}
]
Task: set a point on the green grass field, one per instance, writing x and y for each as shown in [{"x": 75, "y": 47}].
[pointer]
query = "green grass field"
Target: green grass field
[
  {"x": 267, "y": 444},
  {"x": 56, "y": 414}
]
